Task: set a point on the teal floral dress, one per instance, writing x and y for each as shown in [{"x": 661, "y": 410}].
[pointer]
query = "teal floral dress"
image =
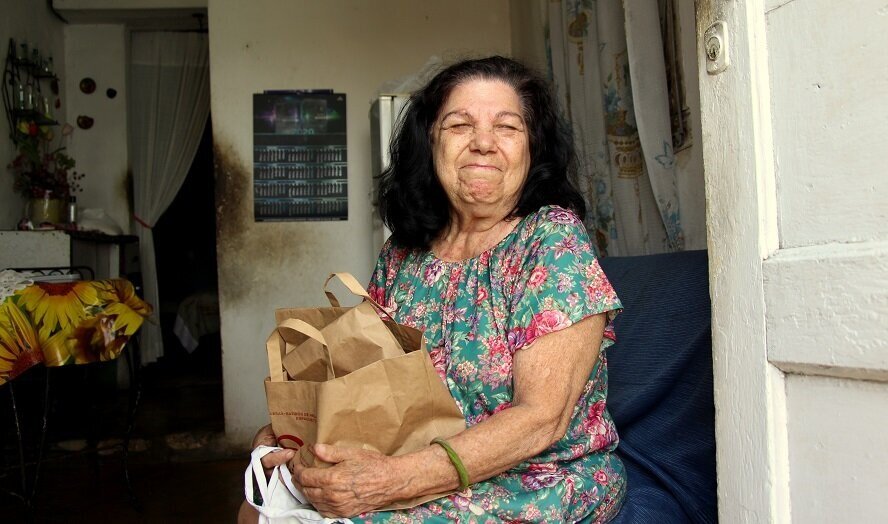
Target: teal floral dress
[{"x": 476, "y": 314}]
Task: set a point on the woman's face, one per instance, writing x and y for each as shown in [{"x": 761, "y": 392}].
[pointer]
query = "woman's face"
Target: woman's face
[{"x": 481, "y": 147}]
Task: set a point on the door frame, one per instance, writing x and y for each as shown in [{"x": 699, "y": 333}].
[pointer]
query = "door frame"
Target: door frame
[{"x": 738, "y": 157}]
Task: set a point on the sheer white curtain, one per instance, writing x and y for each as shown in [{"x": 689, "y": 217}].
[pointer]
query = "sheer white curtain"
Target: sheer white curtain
[
  {"x": 169, "y": 103},
  {"x": 608, "y": 66}
]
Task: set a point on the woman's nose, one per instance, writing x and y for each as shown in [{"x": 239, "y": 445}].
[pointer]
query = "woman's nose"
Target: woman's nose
[{"x": 483, "y": 141}]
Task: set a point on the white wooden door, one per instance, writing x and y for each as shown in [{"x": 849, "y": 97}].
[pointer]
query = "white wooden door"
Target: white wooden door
[{"x": 794, "y": 131}]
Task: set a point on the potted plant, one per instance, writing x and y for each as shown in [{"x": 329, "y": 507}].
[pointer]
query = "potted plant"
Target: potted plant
[{"x": 44, "y": 173}]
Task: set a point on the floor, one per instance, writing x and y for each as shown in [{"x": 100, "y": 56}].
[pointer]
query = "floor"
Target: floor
[{"x": 181, "y": 468}]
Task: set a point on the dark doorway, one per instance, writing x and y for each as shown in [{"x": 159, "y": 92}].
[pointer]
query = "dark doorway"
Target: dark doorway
[{"x": 186, "y": 382}]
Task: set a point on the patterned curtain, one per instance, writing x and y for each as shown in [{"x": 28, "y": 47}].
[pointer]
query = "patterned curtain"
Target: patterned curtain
[{"x": 608, "y": 65}]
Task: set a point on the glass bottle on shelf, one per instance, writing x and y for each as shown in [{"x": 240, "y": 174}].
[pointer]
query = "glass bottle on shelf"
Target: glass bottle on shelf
[
  {"x": 29, "y": 97},
  {"x": 19, "y": 102},
  {"x": 46, "y": 107},
  {"x": 71, "y": 211}
]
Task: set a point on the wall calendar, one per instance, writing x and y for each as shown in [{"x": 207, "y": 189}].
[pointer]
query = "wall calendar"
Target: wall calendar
[{"x": 300, "y": 156}]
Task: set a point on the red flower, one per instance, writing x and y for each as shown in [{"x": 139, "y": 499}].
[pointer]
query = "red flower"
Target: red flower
[
  {"x": 600, "y": 477},
  {"x": 439, "y": 360},
  {"x": 482, "y": 295},
  {"x": 537, "y": 277},
  {"x": 546, "y": 322}
]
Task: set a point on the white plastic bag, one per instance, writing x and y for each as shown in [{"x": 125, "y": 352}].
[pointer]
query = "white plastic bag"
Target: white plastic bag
[{"x": 282, "y": 502}]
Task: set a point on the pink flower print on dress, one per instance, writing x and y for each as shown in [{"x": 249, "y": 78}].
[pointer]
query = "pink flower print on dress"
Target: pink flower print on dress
[
  {"x": 546, "y": 322},
  {"x": 377, "y": 294},
  {"x": 419, "y": 311},
  {"x": 496, "y": 362},
  {"x": 565, "y": 282},
  {"x": 592, "y": 271},
  {"x": 590, "y": 497},
  {"x": 453, "y": 285},
  {"x": 516, "y": 338},
  {"x": 465, "y": 502},
  {"x": 465, "y": 371},
  {"x": 562, "y": 216},
  {"x": 504, "y": 405},
  {"x": 568, "y": 245},
  {"x": 433, "y": 272},
  {"x": 496, "y": 346},
  {"x": 482, "y": 295},
  {"x": 439, "y": 360},
  {"x": 594, "y": 425},
  {"x": 600, "y": 477},
  {"x": 531, "y": 513},
  {"x": 537, "y": 277},
  {"x": 540, "y": 476},
  {"x": 511, "y": 268}
]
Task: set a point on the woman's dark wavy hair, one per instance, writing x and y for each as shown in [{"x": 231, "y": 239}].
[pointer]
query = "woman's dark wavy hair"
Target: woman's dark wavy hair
[{"x": 412, "y": 202}]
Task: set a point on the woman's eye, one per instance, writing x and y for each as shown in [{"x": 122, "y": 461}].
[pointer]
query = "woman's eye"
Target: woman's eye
[
  {"x": 506, "y": 129},
  {"x": 460, "y": 128}
]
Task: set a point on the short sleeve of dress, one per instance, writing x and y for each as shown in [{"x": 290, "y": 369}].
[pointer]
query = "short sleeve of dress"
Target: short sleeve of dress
[
  {"x": 560, "y": 281},
  {"x": 377, "y": 285}
]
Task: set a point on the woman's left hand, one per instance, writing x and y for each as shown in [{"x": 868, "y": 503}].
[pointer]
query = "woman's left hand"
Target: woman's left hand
[{"x": 359, "y": 481}]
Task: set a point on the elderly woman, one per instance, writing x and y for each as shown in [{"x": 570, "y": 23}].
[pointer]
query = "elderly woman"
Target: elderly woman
[{"x": 489, "y": 258}]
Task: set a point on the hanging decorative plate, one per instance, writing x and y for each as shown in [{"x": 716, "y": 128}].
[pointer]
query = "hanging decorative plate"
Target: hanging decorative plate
[
  {"x": 88, "y": 85},
  {"x": 85, "y": 122}
]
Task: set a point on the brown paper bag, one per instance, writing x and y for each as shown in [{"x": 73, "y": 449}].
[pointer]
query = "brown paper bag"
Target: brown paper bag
[
  {"x": 393, "y": 405},
  {"x": 359, "y": 327}
]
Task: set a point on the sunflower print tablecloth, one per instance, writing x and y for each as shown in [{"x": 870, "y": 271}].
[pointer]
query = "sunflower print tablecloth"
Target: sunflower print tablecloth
[{"x": 58, "y": 324}]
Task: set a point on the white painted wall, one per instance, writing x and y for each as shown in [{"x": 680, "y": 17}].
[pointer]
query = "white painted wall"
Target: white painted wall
[
  {"x": 352, "y": 47},
  {"x": 33, "y": 22},
  {"x": 528, "y": 23},
  {"x": 99, "y": 52}
]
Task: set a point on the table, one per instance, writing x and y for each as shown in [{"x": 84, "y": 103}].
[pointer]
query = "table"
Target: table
[
  {"x": 67, "y": 323},
  {"x": 110, "y": 256}
]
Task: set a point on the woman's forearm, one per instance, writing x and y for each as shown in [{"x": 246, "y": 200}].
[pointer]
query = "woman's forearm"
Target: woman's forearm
[
  {"x": 547, "y": 381},
  {"x": 486, "y": 449}
]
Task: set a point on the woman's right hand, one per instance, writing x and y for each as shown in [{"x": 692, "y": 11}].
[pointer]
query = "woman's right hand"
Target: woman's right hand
[{"x": 265, "y": 437}]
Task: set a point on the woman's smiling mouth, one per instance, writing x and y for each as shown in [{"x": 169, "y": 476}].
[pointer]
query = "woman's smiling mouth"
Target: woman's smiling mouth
[{"x": 481, "y": 166}]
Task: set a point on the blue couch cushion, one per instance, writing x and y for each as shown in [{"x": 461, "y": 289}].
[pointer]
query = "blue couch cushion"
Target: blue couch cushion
[{"x": 660, "y": 387}]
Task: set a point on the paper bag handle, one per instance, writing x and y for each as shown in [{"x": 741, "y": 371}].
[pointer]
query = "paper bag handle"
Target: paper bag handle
[
  {"x": 352, "y": 284},
  {"x": 303, "y": 327}
]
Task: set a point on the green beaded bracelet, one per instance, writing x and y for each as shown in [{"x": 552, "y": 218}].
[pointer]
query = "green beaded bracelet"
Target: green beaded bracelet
[{"x": 457, "y": 463}]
